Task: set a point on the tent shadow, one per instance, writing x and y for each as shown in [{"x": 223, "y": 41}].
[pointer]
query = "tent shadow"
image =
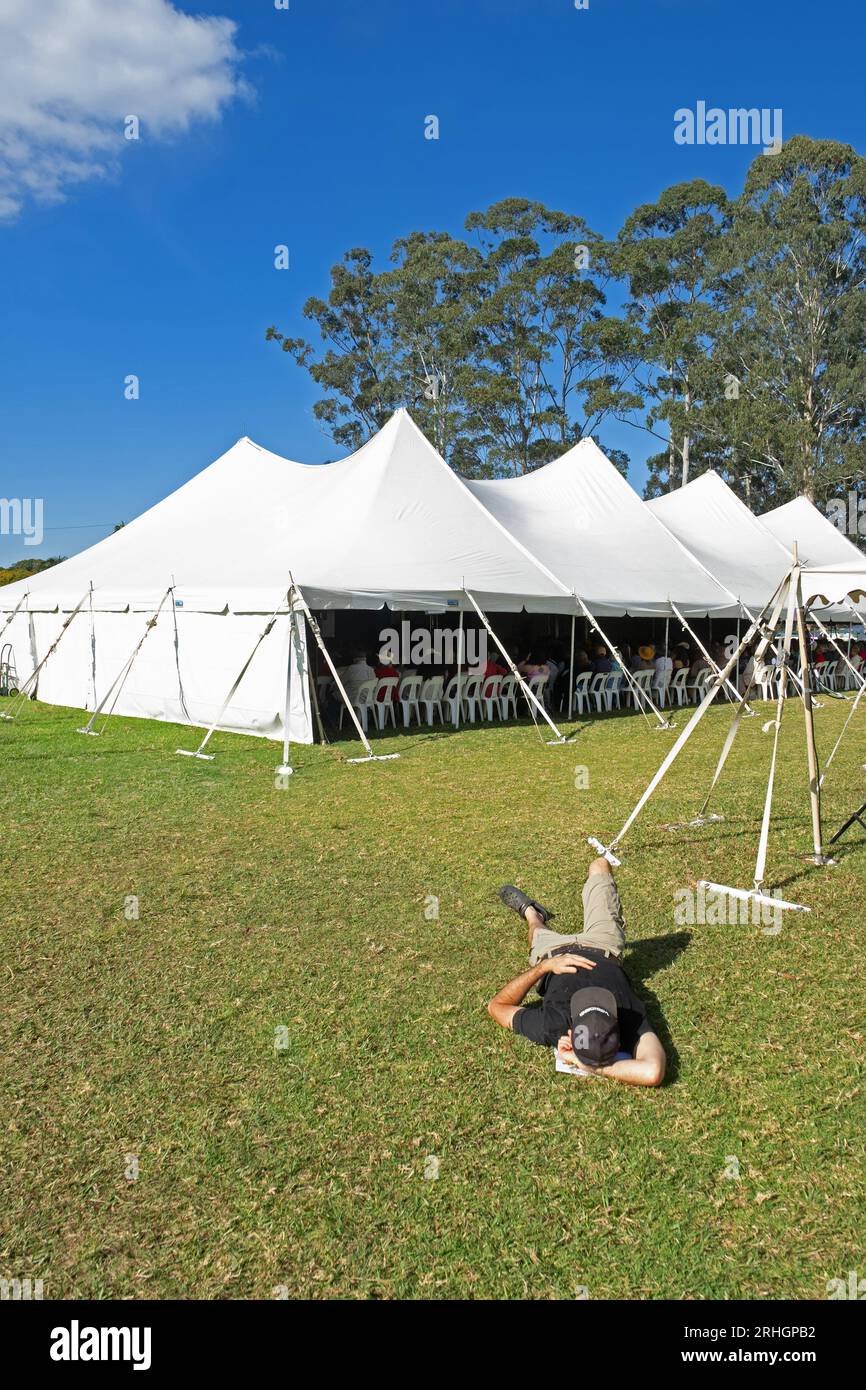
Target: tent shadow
[{"x": 643, "y": 960}]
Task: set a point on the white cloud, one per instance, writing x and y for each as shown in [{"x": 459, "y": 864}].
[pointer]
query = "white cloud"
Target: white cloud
[{"x": 71, "y": 71}]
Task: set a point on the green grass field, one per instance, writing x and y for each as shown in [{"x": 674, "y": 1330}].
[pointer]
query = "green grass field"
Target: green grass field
[{"x": 300, "y": 1167}]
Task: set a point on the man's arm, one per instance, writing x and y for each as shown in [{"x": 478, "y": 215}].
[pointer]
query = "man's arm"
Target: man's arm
[
  {"x": 504, "y": 1005},
  {"x": 646, "y": 1068}
]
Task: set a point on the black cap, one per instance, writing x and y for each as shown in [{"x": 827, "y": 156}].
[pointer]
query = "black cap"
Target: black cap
[{"x": 594, "y": 1027}]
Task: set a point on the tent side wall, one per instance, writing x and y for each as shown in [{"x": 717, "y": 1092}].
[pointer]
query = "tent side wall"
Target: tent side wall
[{"x": 186, "y": 685}]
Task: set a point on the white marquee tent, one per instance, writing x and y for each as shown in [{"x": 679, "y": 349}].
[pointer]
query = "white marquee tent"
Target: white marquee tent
[
  {"x": 389, "y": 525},
  {"x": 708, "y": 517},
  {"x": 819, "y": 542},
  {"x": 590, "y": 527},
  {"x": 392, "y": 524}
]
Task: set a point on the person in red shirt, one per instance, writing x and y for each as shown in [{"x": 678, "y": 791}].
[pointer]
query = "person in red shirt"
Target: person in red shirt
[{"x": 382, "y": 671}]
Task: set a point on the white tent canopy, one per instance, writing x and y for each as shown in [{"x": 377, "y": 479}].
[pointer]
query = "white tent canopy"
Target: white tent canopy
[
  {"x": 708, "y": 517},
  {"x": 819, "y": 542},
  {"x": 592, "y": 530},
  {"x": 834, "y": 585},
  {"x": 392, "y": 524}
]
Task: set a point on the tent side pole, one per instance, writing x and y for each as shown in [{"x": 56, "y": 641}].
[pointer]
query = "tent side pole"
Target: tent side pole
[
  {"x": 120, "y": 679},
  {"x": 705, "y": 654},
  {"x": 93, "y": 648},
  {"x": 571, "y": 668},
  {"x": 459, "y": 672},
  {"x": 761, "y": 861},
  {"x": 320, "y": 642},
  {"x": 514, "y": 671},
  {"x": 15, "y": 610},
  {"x": 777, "y": 603},
  {"x": 808, "y": 717},
  {"x": 638, "y": 693},
  {"x": 34, "y": 674},
  {"x": 284, "y": 766},
  {"x": 199, "y": 752}
]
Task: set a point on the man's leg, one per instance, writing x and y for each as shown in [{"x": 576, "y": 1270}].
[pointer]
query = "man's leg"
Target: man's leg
[
  {"x": 603, "y": 923},
  {"x": 599, "y": 866},
  {"x": 534, "y": 920}
]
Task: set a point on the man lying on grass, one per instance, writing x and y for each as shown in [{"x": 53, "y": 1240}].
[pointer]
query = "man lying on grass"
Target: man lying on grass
[{"x": 589, "y": 1009}]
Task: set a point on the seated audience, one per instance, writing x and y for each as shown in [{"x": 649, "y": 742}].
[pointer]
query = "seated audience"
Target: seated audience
[
  {"x": 356, "y": 673},
  {"x": 602, "y": 664},
  {"x": 382, "y": 669}
]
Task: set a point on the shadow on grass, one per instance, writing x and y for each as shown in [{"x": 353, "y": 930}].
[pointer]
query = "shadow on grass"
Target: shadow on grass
[{"x": 643, "y": 960}]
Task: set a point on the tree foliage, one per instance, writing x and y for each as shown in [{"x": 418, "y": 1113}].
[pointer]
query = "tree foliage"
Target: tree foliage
[{"x": 737, "y": 338}]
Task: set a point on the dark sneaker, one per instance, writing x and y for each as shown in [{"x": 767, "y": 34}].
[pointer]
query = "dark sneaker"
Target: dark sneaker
[{"x": 519, "y": 902}]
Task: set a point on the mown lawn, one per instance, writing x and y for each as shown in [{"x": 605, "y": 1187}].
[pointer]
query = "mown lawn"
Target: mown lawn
[{"x": 295, "y": 1161}]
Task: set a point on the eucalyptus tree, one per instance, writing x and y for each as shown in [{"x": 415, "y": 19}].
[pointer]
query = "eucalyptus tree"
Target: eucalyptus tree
[
  {"x": 664, "y": 253},
  {"x": 791, "y": 342}
]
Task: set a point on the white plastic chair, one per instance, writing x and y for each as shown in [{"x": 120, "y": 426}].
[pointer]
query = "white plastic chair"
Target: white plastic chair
[
  {"x": 851, "y": 681},
  {"x": 581, "y": 690},
  {"x": 537, "y": 686},
  {"x": 765, "y": 679},
  {"x": 661, "y": 681},
  {"x": 612, "y": 685},
  {"x": 698, "y": 686},
  {"x": 383, "y": 700},
  {"x": 826, "y": 674},
  {"x": 431, "y": 697},
  {"x": 508, "y": 689},
  {"x": 643, "y": 681},
  {"x": 597, "y": 691},
  {"x": 471, "y": 696},
  {"x": 408, "y": 692},
  {"x": 488, "y": 701},
  {"x": 361, "y": 701},
  {"x": 453, "y": 695},
  {"x": 678, "y": 689}
]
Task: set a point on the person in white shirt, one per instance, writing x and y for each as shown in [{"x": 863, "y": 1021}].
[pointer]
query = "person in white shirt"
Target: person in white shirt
[
  {"x": 663, "y": 670},
  {"x": 355, "y": 674}
]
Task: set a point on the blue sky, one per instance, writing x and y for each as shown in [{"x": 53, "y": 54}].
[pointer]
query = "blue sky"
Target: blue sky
[{"x": 161, "y": 264}]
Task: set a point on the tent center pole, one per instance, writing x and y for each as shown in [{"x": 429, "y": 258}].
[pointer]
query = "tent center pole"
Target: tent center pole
[{"x": 284, "y": 770}]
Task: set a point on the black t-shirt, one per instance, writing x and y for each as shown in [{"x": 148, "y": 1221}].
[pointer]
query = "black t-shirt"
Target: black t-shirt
[{"x": 549, "y": 1023}]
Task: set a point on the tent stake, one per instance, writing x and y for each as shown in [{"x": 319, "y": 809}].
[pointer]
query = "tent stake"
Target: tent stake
[{"x": 752, "y": 895}]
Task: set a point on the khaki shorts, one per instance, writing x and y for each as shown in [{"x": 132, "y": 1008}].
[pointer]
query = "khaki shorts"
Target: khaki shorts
[{"x": 603, "y": 924}]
